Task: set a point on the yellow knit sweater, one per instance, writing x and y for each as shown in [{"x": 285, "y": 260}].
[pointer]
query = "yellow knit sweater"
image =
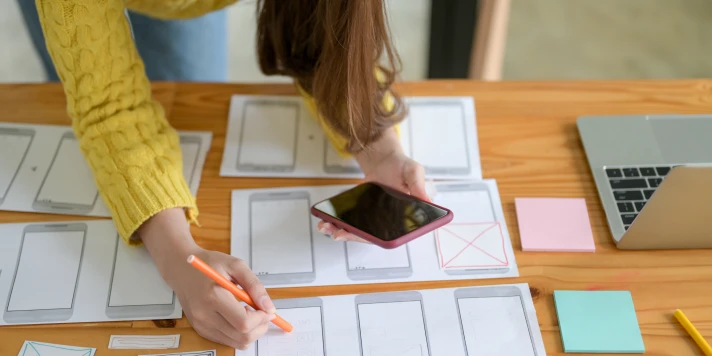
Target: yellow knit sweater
[{"x": 130, "y": 146}]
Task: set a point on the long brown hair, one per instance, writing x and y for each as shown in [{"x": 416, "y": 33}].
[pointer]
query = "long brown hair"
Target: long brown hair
[{"x": 333, "y": 48}]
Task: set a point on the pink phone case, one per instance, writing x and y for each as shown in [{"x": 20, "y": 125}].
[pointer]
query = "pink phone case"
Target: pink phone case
[{"x": 375, "y": 240}]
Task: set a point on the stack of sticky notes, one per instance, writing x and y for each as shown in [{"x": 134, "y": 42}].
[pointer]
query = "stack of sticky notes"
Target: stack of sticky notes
[
  {"x": 554, "y": 224},
  {"x": 598, "y": 322}
]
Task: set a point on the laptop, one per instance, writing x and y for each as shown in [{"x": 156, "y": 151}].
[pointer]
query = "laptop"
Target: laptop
[{"x": 654, "y": 178}]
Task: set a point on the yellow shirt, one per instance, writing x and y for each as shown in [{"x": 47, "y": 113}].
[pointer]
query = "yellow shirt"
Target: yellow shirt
[{"x": 123, "y": 132}]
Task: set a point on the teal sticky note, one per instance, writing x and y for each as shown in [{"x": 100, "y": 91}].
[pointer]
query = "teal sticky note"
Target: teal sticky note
[{"x": 598, "y": 322}]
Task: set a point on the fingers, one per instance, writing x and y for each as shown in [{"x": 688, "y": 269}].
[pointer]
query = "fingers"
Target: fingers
[
  {"x": 242, "y": 274},
  {"x": 338, "y": 234},
  {"x": 414, "y": 178},
  {"x": 236, "y": 315}
]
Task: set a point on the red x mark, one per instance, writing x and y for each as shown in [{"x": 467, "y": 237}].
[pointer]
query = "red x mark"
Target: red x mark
[{"x": 471, "y": 244}]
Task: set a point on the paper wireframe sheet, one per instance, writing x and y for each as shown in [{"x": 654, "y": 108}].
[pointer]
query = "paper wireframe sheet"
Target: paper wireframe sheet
[
  {"x": 276, "y": 136},
  {"x": 36, "y": 348},
  {"x": 43, "y": 170},
  {"x": 497, "y": 320},
  {"x": 274, "y": 231},
  {"x": 78, "y": 271}
]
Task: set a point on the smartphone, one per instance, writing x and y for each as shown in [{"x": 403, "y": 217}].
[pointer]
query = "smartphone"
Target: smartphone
[
  {"x": 281, "y": 243},
  {"x": 68, "y": 187},
  {"x": 308, "y": 337},
  {"x": 14, "y": 145},
  {"x": 381, "y": 215},
  {"x": 493, "y": 321},
  {"x": 268, "y": 136},
  {"x": 136, "y": 289},
  {"x": 44, "y": 286},
  {"x": 392, "y": 324},
  {"x": 473, "y": 204}
]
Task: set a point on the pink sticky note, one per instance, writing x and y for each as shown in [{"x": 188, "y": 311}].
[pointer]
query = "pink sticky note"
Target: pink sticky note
[{"x": 554, "y": 224}]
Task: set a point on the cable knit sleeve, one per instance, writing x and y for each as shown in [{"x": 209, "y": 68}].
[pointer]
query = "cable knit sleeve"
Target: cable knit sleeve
[{"x": 123, "y": 133}]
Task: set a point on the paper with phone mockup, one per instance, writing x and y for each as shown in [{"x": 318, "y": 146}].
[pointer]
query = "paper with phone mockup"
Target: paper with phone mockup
[
  {"x": 497, "y": 320},
  {"x": 187, "y": 353},
  {"x": 43, "y": 170},
  {"x": 274, "y": 232},
  {"x": 78, "y": 272},
  {"x": 276, "y": 136},
  {"x": 36, "y": 348}
]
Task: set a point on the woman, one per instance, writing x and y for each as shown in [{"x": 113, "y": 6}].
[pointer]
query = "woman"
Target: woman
[{"x": 329, "y": 47}]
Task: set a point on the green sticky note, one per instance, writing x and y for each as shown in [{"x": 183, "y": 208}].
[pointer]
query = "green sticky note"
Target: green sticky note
[{"x": 598, "y": 322}]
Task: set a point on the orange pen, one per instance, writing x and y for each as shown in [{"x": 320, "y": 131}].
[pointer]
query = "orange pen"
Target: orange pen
[{"x": 232, "y": 288}]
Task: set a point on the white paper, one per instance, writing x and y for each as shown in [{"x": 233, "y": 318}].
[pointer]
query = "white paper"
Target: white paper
[
  {"x": 36, "y": 348},
  {"x": 78, "y": 271},
  {"x": 337, "y": 263},
  {"x": 187, "y": 353},
  {"x": 43, "y": 170},
  {"x": 144, "y": 341},
  {"x": 489, "y": 320},
  {"x": 276, "y": 136}
]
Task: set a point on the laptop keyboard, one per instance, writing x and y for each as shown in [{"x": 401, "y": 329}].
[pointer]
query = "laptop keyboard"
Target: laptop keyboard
[{"x": 632, "y": 188}]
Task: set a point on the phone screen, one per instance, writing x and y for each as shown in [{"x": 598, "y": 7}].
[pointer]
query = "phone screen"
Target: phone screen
[
  {"x": 495, "y": 326},
  {"x": 12, "y": 150},
  {"x": 307, "y": 338},
  {"x": 281, "y": 235},
  {"x": 69, "y": 179},
  {"x": 444, "y": 124},
  {"x": 135, "y": 280},
  {"x": 392, "y": 328},
  {"x": 47, "y": 272},
  {"x": 268, "y": 136},
  {"x": 379, "y": 211},
  {"x": 190, "y": 158}
]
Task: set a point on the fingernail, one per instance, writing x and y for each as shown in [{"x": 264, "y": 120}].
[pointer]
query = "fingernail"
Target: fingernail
[
  {"x": 267, "y": 305},
  {"x": 340, "y": 238},
  {"x": 272, "y": 316},
  {"x": 323, "y": 230}
]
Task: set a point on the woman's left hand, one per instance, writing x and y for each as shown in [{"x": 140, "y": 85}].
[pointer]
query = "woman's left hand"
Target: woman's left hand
[{"x": 386, "y": 163}]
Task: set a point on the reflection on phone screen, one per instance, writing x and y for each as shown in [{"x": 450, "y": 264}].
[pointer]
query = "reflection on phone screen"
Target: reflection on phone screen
[
  {"x": 69, "y": 179},
  {"x": 392, "y": 329},
  {"x": 495, "y": 326},
  {"x": 47, "y": 272},
  {"x": 306, "y": 339},
  {"x": 281, "y": 236},
  {"x": 13, "y": 148}
]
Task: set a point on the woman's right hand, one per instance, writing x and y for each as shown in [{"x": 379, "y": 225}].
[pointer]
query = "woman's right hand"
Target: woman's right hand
[{"x": 212, "y": 311}]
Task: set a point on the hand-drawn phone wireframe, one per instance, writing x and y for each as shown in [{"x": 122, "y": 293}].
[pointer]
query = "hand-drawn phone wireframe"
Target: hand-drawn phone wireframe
[
  {"x": 268, "y": 136},
  {"x": 370, "y": 262},
  {"x": 281, "y": 242},
  {"x": 136, "y": 289},
  {"x": 392, "y": 324},
  {"x": 480, "y": 208},
  {"x": 44, "y": 286},
  {"x": 68, "y": 187},
  {"x": 14, "y": 145},
  {"x": 494, "y": 321},
  {"x": 190, "y": 149},
  {"x": 308, "y": 337},
  {"x": 442, "y": 122},
  {"x": 333, "y": 163}
]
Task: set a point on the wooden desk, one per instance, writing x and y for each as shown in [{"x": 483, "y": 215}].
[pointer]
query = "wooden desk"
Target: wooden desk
[{"x": 528, "y": 142}]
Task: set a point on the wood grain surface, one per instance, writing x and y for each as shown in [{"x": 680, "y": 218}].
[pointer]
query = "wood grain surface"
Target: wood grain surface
[{"x": 528, "y": 142}]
